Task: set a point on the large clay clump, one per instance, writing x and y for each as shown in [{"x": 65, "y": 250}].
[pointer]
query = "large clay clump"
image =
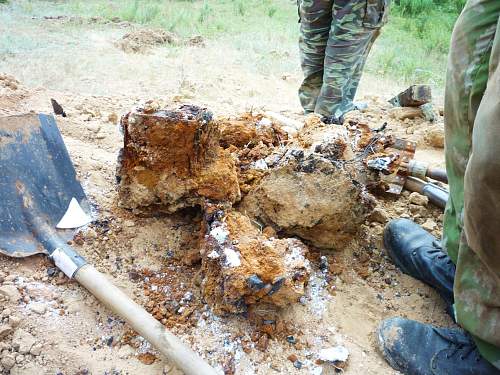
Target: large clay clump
[
  {"x": 172, "y": 159},
  {"x": 315, "y": 192}
]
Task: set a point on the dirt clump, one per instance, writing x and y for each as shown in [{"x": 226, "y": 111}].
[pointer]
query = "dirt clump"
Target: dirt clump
[
  {"x": 172, "y": 160},
  {"x": 242, "y": 267},
  {"x": 434, "y": 136},
  {"x": 142, "y": 40},
  {"x": 315, "y": 191}
]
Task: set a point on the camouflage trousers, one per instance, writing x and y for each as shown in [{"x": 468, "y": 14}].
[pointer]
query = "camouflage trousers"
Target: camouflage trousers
[
  {"x": 472, "y": 135},
  {"x": 335, "y": 39}
]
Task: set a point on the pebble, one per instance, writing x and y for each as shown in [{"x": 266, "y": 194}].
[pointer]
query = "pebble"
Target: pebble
[
  {"x": 418, "y": 199},
  {"x": 429, "y": 225},
  {"x": 8, "y": 361},
  {"x": 5, "y": 330},
  {"x": 38, "y": 308},
  {"x": 36, "y": 349},
  {"x": 379, "y": 215},
  {"x": 23, "y": 341},
  {"x": 297, "y": 364},
  {"x": 129, "y": 223},
  {"x": 11, "y": 292},
  {"x": 14, "y": 321}
]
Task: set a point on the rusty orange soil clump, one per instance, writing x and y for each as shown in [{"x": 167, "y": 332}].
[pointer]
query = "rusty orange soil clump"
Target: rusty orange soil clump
[
  {"x": 242, "y": 266},
  {"x": 172, "y": 160}
]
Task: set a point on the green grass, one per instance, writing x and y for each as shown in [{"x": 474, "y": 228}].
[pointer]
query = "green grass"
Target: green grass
[{"x": 412, "y": 48}]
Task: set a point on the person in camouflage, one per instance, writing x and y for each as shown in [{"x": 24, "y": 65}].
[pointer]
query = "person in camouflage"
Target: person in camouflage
[
  {"x": 335, "y": 39},
  {"x": 468, "y": 276}
]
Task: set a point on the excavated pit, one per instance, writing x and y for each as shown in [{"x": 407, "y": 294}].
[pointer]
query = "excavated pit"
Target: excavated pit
[{"x": 310, "y": 189}]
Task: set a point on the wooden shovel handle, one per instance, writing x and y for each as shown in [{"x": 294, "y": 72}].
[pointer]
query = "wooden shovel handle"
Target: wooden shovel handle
[{"x": 142, "y": 322}]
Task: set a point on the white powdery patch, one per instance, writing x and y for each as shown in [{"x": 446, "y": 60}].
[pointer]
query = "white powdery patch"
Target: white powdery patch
[
  {"x": 334, "y": 354},
  {"x": 317, "y": 293},
  {"x": 264, "y": 122},
  {"x": 232, "y": 257},
  {"x": 220, "y": 234},
  {"x": 260, "y": 164},
  {"x": 213, "y": 255},
  {"x": 296, "y": 258}
]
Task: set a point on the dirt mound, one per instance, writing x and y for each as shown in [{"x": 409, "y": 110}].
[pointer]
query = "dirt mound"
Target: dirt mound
[
  {"x": 12, "y": 94},
  {"x": 141, "y": 41}
]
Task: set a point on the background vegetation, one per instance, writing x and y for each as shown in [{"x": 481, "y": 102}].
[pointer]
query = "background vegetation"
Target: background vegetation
[{"x": 412, "y": 47}]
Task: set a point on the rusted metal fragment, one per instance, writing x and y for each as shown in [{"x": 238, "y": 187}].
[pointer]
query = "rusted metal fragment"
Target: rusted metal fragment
[
  {"x": 172, "y": 159},
  {"x": 413, "y": 96}
]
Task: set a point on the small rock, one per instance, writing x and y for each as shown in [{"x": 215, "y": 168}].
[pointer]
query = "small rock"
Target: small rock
[
  {"x": 263, "y": 343},
  {"x": 23, "y": 341},
  {"x": 93, "y": 127},
  {"x": 20, "y": 358},
  {"x": 11, "y": 292},
  {"x": 418, "y": 199},
  {"x": 379, "y": 215},
  {"x": 14, "y": 321},
  {"x": 113, "y": 118},
  {"x": 125, "y": 352},
  {"x": 36, "y": 349},
  {"x": 5, "y": 330},
  {"x": 297, "y": 364},
  {"x": 8, "y": 361},
  {"x": 38, "y": 307},
  {"x": 129, "y": 223},
  {"x": 292, "y": 357},
  {"x": 146, "y": 358},
  {"x": 429, "y": 225},
  {"x": 51, "y": 271}
]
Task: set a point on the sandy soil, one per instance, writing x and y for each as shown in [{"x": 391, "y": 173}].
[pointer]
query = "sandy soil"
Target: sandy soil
[{"x": 79, "y": 336}]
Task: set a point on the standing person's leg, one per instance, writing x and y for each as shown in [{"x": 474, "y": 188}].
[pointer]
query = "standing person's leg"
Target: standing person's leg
[
  {"x": 476, "y": 290},
  {"x": 315, "y": 19},
  {"x": 477, "y": 280},
  {"x": 477, "y": 294},
  {"x": 466, "y": 81},
  {"x": 355, "y": 25}
]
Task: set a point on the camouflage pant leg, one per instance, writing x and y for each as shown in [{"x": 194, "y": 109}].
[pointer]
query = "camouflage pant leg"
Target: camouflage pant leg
[
  {"x": 315, "y": 23},
  {"x": 356, "y": 76},
  {"x": 355, "y": 26},
  {"x": 477, "y": 297},
  {"x": 336, "y": 37}
]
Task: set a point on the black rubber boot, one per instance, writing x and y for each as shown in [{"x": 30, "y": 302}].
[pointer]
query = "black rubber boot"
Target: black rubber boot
[
  {"x": 417, "y": 253},
  {"x": 414, "y": 348}
]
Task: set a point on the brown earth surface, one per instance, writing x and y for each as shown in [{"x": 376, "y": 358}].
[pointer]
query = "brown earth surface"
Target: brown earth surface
[{"x": 57, "y": 327}]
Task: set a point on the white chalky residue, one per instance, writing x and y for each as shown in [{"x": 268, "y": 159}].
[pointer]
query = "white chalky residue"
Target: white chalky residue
[
  {"x": 317, "y": 293},
  {"x": 334, "y": 354},
  {"x": 232, "y": 257},
  {"x": 213, "y": 255},
  {"x": 296, "y": 258},
  {"x": 220, "y": 234},
  {"x": 264, "y": 122},
  {"x": 260, "y": 164}
]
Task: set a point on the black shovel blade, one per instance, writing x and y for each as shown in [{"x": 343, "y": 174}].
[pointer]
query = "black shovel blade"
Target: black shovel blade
[{"x": 37, "y": 183}]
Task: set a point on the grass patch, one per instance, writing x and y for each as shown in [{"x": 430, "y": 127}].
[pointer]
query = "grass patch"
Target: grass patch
[{"x": 412, "y": 48}]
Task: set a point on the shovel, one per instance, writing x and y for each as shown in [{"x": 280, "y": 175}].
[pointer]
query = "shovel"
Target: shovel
[{"x": 41, "y": 201}]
